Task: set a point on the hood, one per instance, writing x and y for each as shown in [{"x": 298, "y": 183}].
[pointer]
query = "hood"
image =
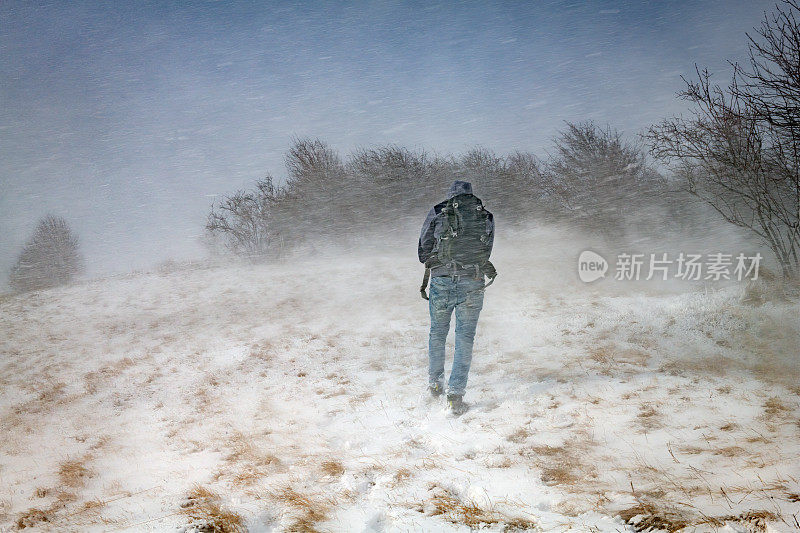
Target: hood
[{"x": 459, "y": 187}]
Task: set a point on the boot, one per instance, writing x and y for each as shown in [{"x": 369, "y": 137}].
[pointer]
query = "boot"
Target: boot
[{"x": 456, "y": 404}]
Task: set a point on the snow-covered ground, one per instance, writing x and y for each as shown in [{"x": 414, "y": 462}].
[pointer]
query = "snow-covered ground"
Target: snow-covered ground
[{"x": 292, "y": 397}]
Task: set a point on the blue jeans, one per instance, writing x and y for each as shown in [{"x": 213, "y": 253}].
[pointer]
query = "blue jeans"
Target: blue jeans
[{"x": 465, "y": 296}]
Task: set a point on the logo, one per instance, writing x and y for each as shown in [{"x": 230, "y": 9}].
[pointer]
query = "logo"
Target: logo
[{"x": 591, "y": 266}]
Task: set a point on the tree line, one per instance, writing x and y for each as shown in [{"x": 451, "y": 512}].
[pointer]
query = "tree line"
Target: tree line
[{"x": 595, "y": 179}]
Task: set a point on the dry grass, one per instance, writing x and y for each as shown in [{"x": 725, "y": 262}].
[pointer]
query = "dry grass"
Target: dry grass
[
  {"x": 646, "y": 517},
  {"x": 73, "y": 473},
  {"x": 775, "y": 408},
  {"x": 602, "y": 354},
  {"x": 519, "y": 436},
  {"x": 691, "y": 449},
  {"x": 715, "y": 365},
  {"x": 243, "y": 450},
  {"x": 306, "y": 510},
  {"x": 648, "y": 418},
  {"x": 246, "y": 463},
  {"x": 246, "y": 477},
  {"x": 102, "y": 442},
  {"x": 401, "y": 476},
  {"x": 264, "y": 351},
  {"x": 757, "y": 520},
  {"x": 203, "y": 507},
  {"x": 360, "y": 398},
  {"x": 498, "y": 462},
  {"x": 62, "y": 499},
  {"x": 49, "y": 394},
  {"x": 560, "y": 465},
  {"x": 33, "y": 518},
  {"x": 757, "y": 439},
  {"x": 610, "y": 357},
  {"x": 332, "y": 468},
  {"x": 560, "y": 474},
  {"x": 93, "y": 505},
  {"x": 457, "y": 511},
  {"x": 730, "y": 451},
  {"x": 96, "y": 380},
  {"x": 52, "y": 392}
]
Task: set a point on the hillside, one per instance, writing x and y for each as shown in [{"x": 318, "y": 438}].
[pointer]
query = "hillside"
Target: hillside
[{"x": 290, "y": 397}]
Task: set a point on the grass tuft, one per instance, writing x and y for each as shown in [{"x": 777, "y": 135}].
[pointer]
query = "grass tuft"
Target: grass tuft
[
  {"x": 73, "y": 473},
  {"x": 519, "y": 436},
  {"x": 643, "y": 517},
  {"x": 332, "y": 468},
  {"x": 203, "y": 506},
  {"x": 457, "y": 511},
  {"x": 648, "y": 417},
  {"x": 560, "y": 465},
  {"x": 774, "y": 407},
  {"x": 246, "y": 462},
  {"x": 307, "y": 510},
  {"x": 33, "y": 518},
  {"x": 401, "y": 476}
]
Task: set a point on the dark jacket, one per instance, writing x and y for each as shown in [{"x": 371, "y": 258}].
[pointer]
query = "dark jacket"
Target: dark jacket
[{"x": 432, "y": 228}]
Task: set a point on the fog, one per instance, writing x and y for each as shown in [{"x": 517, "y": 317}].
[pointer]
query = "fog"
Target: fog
[{"x": 129, "y": 120}]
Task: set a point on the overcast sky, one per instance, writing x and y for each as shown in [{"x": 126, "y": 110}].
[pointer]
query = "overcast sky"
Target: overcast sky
[{"x": 127, "y": 117}]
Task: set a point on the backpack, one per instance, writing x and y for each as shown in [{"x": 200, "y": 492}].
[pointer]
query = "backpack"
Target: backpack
[{"x": 464, "y": 240}]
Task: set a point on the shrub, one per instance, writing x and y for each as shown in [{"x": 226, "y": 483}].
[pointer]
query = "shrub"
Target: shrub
[{"x": 50, "y": 258}]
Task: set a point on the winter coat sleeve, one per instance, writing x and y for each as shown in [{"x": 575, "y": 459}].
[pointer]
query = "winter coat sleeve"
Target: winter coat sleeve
[
  {"x": 490, "y": 222},
  {"x": 426, "y": 237}
]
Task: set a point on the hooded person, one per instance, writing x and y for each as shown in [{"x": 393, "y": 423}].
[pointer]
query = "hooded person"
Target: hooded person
[{"x": 455, "y": 243}]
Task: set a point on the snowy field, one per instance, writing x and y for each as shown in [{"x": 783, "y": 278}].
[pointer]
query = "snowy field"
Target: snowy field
[{"x": 291, "y": 397}]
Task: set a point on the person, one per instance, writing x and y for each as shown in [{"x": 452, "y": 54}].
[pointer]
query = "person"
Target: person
[{"x": 458, "y": 262}]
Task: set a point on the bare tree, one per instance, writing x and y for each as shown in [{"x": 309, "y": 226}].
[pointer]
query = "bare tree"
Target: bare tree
[
  {"x": 389, "y": 181},
  {"x": 738, "y": 149},
  {"x": 526, "y": 188},
  {"x": 772, "y": 84},
  {"x": 317, "y": 193},
  {"x": 772, "y": 88},
  {"x": 245, "y": 222},
  {"x": 512, "y": 186},
  {"x": 485, "y": 170},
  {"x": 596, "y": 176},
  {"x": 50, "y": 258},
  {"x": 309, "y": 157}
]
